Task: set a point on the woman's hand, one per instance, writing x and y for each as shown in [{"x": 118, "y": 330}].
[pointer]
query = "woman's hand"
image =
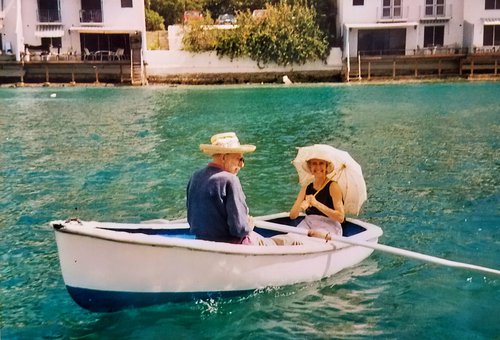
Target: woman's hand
[
  {"x": 309, "y": 201},
  {"x": 304, "y": 205},
  {"x": 313, "y": 202}
]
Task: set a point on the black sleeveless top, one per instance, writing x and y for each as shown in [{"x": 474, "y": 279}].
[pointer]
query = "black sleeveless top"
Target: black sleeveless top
[{"x": 323, "y": 196}]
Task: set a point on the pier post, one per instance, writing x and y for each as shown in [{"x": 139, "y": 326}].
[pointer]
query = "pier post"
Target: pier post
[
  {"x": 359, "y": 66},
  {"x": 369, "y": 69},
  {"x": 394, "y": 69},
  {"x": 21, "y": 83},
  {"x": 47, "y": 82},
  {"x": 96, "y": 74},
  {"x": 72, "y": 82}
]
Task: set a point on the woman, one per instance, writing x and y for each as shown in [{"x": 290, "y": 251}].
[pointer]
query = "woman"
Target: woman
[{"x": 321, "y": 200}]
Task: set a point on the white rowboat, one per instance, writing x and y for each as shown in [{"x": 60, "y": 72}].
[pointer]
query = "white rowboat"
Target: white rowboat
[{"x": 111, "y": 266}]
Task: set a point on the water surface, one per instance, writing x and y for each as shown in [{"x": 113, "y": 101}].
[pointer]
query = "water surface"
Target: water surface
[{"x": 429, "y": 152}]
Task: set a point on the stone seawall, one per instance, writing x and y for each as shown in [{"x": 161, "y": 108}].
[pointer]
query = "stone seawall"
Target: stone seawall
[{"x": 208, "y": 68}]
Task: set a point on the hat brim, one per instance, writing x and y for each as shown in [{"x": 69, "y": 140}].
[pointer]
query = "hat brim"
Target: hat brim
[
  {"x": 329, "y": 167},
  {"x": 217, "y": 149}
]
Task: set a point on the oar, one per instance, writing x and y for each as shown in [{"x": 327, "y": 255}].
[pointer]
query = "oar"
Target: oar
[{"x": 377, "y": 246}]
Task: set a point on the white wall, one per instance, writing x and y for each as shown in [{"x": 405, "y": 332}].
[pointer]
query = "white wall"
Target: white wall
[
  {"x": 180, "y": 62},
  {"x": 8, "y": 30},
  {"x": 176, "y": 61},
  {"x": 474, "y": 13}
]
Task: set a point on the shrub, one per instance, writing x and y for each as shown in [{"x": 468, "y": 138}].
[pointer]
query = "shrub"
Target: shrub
[
  {"x": 200, "y": 35},
  {"x": 285, "y": 34},
  {"x": 154, "y": 21}
]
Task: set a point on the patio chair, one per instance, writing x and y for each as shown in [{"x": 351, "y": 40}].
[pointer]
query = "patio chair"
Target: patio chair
[
  {"x": 118, "y": 55},
  {"x": 87, "y": 55}
]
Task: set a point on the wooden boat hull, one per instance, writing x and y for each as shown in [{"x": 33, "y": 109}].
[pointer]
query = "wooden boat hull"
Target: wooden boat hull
[{"x": 110, "y": 266}]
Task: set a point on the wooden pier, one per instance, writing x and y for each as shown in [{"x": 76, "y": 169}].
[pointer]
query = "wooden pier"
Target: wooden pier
[{"x": 463, "y": 65}]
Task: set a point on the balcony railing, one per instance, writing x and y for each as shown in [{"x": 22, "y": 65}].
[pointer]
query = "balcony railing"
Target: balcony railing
[
  {"x": 392, "y": 14},
  {"x": 49, "y": 15},
  {"x": 90, "y": 15},
  {"x": 437, "y": 11}
]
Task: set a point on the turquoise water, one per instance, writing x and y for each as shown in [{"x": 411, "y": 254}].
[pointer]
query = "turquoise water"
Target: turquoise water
[{"x": 430, "y": 154}]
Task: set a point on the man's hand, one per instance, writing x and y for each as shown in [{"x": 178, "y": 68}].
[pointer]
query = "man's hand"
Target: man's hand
[{"x": 251, "y": 223}]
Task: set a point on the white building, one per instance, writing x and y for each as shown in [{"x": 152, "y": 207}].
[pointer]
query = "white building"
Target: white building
[
  {"x": 378, "y": 27},
  {"x": 482, "y": 24},
  {"x": 70, "y": 27}
]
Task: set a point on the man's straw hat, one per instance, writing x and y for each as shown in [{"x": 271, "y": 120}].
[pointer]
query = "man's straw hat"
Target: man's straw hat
[{"x": 223, "y": 143}]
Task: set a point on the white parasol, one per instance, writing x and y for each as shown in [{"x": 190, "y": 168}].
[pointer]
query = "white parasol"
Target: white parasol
[{"x": 347, "y": 173}]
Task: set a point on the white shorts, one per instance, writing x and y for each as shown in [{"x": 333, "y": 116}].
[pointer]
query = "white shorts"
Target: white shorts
[{"x": 322, "y": 223}]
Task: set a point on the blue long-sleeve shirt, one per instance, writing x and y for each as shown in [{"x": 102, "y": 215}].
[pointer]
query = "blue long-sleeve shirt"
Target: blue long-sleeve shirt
[{"x": 216, "y": 207}]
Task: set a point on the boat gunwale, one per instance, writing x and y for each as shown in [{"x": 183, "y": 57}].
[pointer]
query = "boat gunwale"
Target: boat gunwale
[{"x": 316, "y": 246}]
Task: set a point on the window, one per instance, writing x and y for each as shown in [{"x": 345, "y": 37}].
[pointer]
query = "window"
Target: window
[
  {"x": 433, "y": 36},
  {"x": 491, "y": 35},
  {"x": 47, "y": 43},
  {"x": 48, "y": 11},
  {"x": 358, "y": 2},
  {"x": 382, "y": 41},
  {"x": 434, "y": 8},
  {"x": 492, "y": 4},
  {"x": 391, "y": 9},
  {"x": 127, "y": 3}
]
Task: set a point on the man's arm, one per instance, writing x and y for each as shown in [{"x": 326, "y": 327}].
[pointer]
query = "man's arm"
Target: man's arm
[{"x": 236, "y": 208}]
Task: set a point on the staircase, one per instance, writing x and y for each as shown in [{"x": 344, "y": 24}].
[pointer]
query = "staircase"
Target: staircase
[{"x": 137, "y": 72}]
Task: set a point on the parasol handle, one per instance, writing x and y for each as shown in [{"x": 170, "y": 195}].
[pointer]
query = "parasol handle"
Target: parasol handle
[{"x": 381, "y": 247}]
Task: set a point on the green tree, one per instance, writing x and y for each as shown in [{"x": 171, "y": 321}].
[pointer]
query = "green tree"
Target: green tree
[
  {"x": 172, "y": 10},
  {"x": 285, "y": 35},
  {"x": 200, "y": 35},
  {"x": 154, "y": 21}
]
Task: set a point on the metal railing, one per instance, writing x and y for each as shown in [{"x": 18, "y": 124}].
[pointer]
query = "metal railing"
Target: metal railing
[
  {"x": 90, "y": 15},
  {"x": 392, "y": 13},
  {"x": 49, "y": 15},
  {"x": 436, "y": 11},
  {"x": 426, "y": 51}
]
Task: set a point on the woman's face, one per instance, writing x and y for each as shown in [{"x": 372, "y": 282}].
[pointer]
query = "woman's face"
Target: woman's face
[{"x": 317, "y": 166}]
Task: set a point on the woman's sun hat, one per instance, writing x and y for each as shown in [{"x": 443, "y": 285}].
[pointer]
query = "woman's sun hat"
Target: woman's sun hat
[
  {"x": 223, "y": 143},
  {"x": 308, "y": 153}
]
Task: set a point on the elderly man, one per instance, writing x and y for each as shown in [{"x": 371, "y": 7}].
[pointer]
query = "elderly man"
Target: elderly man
[{"x": 216, "y": 207}]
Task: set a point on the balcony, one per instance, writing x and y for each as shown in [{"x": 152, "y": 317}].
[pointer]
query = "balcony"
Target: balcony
[
  {"x": 436, "y": 12},
  {"x": 48, "y": 15},
  {"x": 90, "y": 16},
  {"x": 388, "y": 14}
]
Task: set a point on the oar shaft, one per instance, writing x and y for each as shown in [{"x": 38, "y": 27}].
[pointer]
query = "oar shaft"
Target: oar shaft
[
  {"x": 279, "y": 227},
  {"x": 415, "y": 255},
  {"x": 381, "y": 247}
]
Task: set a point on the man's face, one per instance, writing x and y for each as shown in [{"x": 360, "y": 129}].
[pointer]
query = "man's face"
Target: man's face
[{"x": 233, "y": 162}]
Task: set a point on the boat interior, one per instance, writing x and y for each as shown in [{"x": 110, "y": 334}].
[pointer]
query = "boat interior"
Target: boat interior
[{"x": 348, "y": 229}]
